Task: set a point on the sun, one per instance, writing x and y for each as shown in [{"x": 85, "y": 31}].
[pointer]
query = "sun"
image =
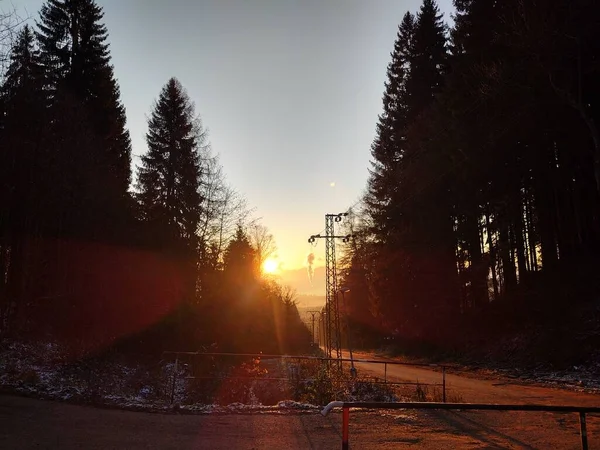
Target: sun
[{"x": 270, "y": 266}]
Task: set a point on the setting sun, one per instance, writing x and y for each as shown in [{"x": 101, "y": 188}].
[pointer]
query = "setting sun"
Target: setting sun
[{"x": 270, "y": 266}]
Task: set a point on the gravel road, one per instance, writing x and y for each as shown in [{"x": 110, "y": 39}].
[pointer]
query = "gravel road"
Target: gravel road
[
  {"x": 35, "y": 424},
  {"x": 473, "y": 390}
]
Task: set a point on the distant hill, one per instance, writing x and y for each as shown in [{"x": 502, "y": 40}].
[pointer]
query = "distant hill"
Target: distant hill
[
  {"x": 310, "y": 302},
  {"x": 300, "y": 281}
]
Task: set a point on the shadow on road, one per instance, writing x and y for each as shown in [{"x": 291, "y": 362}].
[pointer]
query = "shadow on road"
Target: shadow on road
[
  {"x": 464, "y": 425},
  {"x": 320, "y": 436}
]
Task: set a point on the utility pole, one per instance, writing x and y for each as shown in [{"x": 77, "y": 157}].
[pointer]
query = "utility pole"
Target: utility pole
[
  {"x": 332, "y": 325},
  {"x": 322, "y": 331},
  {"x": 312, "y": 319}
]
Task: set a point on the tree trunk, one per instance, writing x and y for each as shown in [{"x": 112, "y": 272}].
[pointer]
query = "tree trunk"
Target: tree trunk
[
  {"x": 4, "y": 298},
  {"x": 531, "y": 236},
  {"x": 595, "y": 135},
  {"x": 477, "y": 270},
  {"x": 508, "y": 267},
  {"x": 492, "y": 254},
  {"x": 520, "y": 243}
]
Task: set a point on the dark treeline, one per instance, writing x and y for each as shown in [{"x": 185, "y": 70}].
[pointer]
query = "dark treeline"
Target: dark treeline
[
  {"x": 482, "y": 211},
  {"x": 94, "y": 256}
]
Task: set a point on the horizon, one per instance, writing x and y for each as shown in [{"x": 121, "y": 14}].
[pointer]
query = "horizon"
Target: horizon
[{"x": 337, "y": 53}]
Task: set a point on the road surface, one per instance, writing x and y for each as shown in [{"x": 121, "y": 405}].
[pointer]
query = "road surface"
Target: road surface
[
  {"x": 27, "y": 424},
  {"x": 475, "y": 390}
]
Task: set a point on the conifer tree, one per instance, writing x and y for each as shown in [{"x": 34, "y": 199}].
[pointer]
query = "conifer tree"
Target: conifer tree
[
  {"x": 76, "y": 59},
  {"x": 22, "y": 103},
  {"x": 427, "y": 228},
  {"x": 402, "y": 275},
  {"x": 22, "y": 112},
  {"x": 429, "y": 58},
  {"x": 388, "y": 147},
  {"x": 241, "y": 260},
  {"x": 169, "y": 178}
]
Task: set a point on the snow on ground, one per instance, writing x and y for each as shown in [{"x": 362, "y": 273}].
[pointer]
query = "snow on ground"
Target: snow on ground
[
  {"x": 577, "y": 378},
  {"x": 42, "y": 371}
]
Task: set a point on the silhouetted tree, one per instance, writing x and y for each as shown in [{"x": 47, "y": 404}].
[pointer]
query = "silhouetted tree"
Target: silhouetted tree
[
  {"x": 80, "y": 78},
  {"x": 495, "y": 192},
  {"x": 240, "y": 261},
  {"x": 22, "y": 160},
  {"x": 406, "y": 274},
  {"x": 169, "y": 178},
  {"x": 388, "y": 148}
]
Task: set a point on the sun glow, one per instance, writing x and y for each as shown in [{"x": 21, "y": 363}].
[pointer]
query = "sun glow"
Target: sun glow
[{"x": 270, "y": 266}]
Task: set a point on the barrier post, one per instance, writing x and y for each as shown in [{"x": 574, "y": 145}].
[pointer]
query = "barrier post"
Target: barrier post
[
  {"x": 582, "y": 410},
  {"x": 174, "y": 378},
  {"x": 444, "y": 384},
  {"x": 345, "y": 426},
  {"x": 583, "y": 429}
]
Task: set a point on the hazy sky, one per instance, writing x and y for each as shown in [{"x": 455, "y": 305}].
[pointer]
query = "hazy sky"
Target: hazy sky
[{"x": 290, "y": 91}]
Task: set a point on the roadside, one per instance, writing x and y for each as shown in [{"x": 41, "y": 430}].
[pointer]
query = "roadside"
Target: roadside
[
  {"x": 27, "y": 424},
  {"x": 474, "y": 390},
  {"x": 578, "y": 379}
]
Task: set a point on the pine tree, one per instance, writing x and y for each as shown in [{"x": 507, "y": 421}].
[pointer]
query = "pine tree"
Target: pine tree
[
  {"x": 406, "y": 276},
  {"x": 427, "y": 234},
  {"x": 22, "y": 103},
  {"x": 240, "y": 261},
  {"x": 77, "y": 61},
  {"x": 388, "y": 148},
  {"x": 495, "y": 184},
  {"x": 169, "y": 178},
  {"x": 429, "y": 58},
  {"x": 22, "y": 160}
]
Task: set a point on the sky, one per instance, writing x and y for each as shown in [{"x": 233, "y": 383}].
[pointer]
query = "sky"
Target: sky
[{"x": 289, "y": 90}]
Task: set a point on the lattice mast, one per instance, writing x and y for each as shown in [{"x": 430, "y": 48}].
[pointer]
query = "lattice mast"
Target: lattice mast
[{"x": 333, "y": 335}]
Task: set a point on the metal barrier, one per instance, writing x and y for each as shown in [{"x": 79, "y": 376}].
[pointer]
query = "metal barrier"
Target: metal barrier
[
  {"x": 582, "y": 410},
  {"x": 314, "y": 358}
]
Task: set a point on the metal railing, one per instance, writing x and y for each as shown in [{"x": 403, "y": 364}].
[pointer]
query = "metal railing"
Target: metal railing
[
  {"x": 179, "y": 354},
  {"x": 582, "y": 410}
]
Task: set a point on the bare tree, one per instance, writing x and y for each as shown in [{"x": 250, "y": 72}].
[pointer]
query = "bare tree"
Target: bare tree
[
  {"x": 223, "y": 209},
  {"x": 10, "y": 22},
  {"x": 262, "y": 241}
]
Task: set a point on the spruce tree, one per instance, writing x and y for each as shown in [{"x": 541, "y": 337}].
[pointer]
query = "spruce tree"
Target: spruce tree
[
  {"x": 428, "y": 222},
  {"x": 22, "y": 103},
  {"x": 387, "y": 149},
  {"x": 169, "y": 178},
  {"x": 407, "y": 229},
  {"x": 76, "y": 58},
  {"x": 22, "y": 112},
  {"x": 241, "y": 260},
  {"x": 388, "y": 277},
  {"x": 495, "y": 183},
  {"x": 429, "y": 58}
]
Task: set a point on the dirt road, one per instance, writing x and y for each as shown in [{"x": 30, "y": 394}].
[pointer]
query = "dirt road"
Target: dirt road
[
  {"x": 475, "y": 390},
  {"x": 33, "y": 424}
]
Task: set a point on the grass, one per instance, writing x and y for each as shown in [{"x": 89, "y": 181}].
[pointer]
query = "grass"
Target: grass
[{"x": 429, "y": 393}]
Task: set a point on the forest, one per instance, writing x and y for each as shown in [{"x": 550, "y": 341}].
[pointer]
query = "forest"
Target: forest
[
  {"x": 97, "y": 252},
  {"x": 479, "y": 224},
  {"x": 480, "y": 220}
]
